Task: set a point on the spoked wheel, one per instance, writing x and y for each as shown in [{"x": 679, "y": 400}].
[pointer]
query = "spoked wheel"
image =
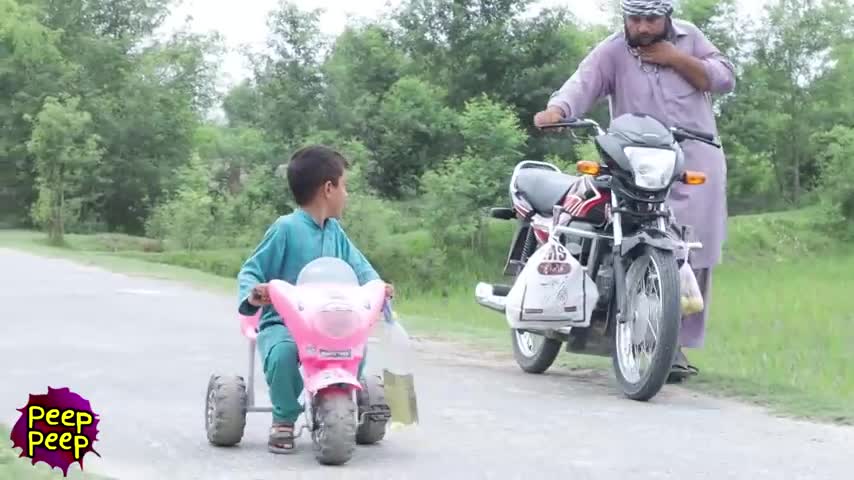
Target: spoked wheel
[
  {"x": 645, "y": 343},
  {"x": 533, "y": 352}
]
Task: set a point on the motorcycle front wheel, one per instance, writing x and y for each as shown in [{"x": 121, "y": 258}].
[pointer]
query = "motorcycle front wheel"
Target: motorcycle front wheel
[
  {"x": 534, "y": 353},
  {"x": 645, "y": 342}
]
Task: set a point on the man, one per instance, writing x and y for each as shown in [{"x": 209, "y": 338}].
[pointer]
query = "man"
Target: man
[{"x": 666, "y": 68}]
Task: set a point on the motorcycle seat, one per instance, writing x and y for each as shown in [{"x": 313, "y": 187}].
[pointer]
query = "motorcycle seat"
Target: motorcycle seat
[{"x": 544, "y": 188}]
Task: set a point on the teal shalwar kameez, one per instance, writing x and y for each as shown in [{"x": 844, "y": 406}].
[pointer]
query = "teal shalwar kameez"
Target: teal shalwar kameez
[{"x": 290, "y": 244}]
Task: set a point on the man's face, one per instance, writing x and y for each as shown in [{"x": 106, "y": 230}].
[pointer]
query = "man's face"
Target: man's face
[{"x": 642, "y": 31}]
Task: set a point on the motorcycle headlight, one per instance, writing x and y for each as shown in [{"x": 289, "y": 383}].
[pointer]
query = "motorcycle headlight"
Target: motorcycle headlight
[{"x": 652, "y": 167}]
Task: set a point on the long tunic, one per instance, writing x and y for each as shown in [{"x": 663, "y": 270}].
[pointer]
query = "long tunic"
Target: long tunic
[{"x": 612, "y": 70}]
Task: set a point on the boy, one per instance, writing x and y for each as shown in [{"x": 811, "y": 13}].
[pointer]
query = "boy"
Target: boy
[{"x": 316, "y": 176}]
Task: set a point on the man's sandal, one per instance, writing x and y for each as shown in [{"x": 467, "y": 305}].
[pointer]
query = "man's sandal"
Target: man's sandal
[
  {"x": 281, "y": 438},
  {"x": 681, "y": 369}
]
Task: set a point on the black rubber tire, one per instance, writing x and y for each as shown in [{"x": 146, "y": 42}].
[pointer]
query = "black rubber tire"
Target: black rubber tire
[
  {"x": 542, "y": 360},
  {"x": 335, "y": 428},
  {"x": 372, "y": 396},
  {"x": 668, "y": 336},
  {"x": 225, "y": 410}
]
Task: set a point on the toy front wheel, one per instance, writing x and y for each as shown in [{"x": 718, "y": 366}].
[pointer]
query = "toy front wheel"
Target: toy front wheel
[
  {"x": 373, "y": 411},
  {"x": 334, "y": 432},
  {"x": 225, "y": 410}
]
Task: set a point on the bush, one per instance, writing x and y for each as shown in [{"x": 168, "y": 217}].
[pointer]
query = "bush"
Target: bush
[
  {"x": 188, "y": 217},
  {"x": 837, "y": 177},
  {"x": 117, "y": 242},
  {"x": 225, "y": 262}
]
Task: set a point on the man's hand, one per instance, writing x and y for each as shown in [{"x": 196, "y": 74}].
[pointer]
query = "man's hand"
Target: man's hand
[
  {"x": 260, "y": 295},
  {"x": 661, "y": 53},
  {"x": 389, "y": 290},
  {"x": 666, "y": 54},
  {"x": 548, "y": 117}
]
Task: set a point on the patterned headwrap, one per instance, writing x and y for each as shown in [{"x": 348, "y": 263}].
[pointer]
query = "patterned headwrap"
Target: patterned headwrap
[{"x": 647, "y": 7}]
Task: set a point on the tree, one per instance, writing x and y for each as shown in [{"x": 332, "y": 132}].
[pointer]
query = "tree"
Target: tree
[
  {"x": 457, "y": 193},
  {"x": 289, "y": 78},
  {"x": 792, "y": 51},
  {"x": 31, "y": 68},
  {"x": 362, "y": 66},
  {"x": 409, "y": 134},
  {"x": 65, "y": 151}
]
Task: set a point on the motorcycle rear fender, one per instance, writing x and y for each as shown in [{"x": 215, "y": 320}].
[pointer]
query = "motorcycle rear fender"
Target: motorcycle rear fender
[{"x": 649, "y": 236}]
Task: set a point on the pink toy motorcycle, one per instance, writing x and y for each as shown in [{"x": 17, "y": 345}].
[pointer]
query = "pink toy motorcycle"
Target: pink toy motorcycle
[{"x": 330, "y": 318}]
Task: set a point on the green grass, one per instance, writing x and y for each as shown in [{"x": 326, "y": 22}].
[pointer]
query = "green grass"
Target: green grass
[
  {"x": 779, "y": 333},
  {"x": 783, "y": 330},
  {"x": 14, "y": 468}
]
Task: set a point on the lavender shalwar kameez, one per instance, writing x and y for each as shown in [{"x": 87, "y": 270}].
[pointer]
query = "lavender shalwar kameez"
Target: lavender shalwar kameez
[{"x": 612, "y": 70}]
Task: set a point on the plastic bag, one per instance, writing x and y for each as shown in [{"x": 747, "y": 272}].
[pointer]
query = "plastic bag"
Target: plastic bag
[
  {"x": 552, "y": 291},
  {"x": 692, "y": 298},
  {"x": 398, "y": 371}
]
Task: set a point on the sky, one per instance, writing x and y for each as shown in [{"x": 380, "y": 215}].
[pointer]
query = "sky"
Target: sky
[{"x": 243, "y": 22}]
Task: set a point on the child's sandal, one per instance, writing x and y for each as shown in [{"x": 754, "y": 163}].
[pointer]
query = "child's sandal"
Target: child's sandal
[{"x": 281, "y": 438}]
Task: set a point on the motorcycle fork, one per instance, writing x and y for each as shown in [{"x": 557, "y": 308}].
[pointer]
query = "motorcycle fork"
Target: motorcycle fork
[{"x": 618, "y": 265}]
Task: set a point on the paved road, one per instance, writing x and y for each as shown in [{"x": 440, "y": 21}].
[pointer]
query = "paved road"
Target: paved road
[{"x": 141, "y": 351}]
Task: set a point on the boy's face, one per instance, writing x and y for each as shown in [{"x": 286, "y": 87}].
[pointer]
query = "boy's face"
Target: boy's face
[{"x": 336, "y": 197}]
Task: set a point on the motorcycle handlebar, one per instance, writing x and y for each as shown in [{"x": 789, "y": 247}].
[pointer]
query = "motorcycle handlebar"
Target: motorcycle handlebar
[
  {"x": 704, "y": 135},
  {"x": 683, "y": 133},
  {"x": 573, "y": 122}
]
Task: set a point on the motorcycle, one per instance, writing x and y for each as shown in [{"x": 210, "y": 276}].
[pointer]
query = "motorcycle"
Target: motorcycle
[{"x": 614, "y": 222}]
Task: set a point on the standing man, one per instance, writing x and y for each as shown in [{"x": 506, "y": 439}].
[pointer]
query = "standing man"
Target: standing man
[{"x": 666, "y": 68}]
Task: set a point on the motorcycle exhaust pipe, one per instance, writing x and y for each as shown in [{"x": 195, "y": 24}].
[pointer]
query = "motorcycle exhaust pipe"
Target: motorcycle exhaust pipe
[{"x": 492, "y": 297}]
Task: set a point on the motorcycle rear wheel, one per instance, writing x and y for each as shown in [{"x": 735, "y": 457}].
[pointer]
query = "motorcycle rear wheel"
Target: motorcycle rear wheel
[
  {"x": 652, "y": 267},
  {"x": 534, "y": 353}
]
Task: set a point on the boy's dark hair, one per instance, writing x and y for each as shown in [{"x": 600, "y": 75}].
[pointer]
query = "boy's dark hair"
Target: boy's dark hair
[{"x": 310, "y": 168}]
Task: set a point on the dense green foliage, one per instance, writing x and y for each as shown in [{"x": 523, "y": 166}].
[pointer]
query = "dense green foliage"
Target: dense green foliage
[{"x": 104, "y": 127}]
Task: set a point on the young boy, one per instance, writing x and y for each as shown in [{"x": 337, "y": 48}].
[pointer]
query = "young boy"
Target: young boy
[{"x": 316, "y": 176}]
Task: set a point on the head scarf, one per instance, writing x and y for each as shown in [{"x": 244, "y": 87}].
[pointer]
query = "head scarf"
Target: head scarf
[{"x": 647, "y": 8}]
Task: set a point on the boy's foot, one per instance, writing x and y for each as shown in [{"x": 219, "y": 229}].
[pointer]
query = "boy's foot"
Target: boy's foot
[{"x": 281, "y": 438}]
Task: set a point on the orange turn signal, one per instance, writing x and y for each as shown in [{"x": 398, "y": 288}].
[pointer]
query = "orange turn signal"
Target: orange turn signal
[
  {"x": 694, "y": 178},
  {"x": 587, "y": 167}
]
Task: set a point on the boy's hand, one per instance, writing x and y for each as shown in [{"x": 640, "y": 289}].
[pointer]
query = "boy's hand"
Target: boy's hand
[
  {"x": 259, "y": 296},
  {"x": 389, "y": 290}
]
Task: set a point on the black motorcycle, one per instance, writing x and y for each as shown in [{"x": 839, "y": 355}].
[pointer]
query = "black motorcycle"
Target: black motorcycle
[{"x": 613, "y": 219}]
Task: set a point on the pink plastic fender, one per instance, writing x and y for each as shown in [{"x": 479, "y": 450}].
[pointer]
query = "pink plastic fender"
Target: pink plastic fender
[{"x": 330, "y": 376}]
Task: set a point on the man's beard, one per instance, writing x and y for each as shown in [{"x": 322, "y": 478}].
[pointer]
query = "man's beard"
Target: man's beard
[{"x": 644, "y": 40}]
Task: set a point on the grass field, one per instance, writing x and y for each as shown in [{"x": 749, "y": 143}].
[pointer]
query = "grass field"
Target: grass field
[{"x": 779, "y": 332}]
